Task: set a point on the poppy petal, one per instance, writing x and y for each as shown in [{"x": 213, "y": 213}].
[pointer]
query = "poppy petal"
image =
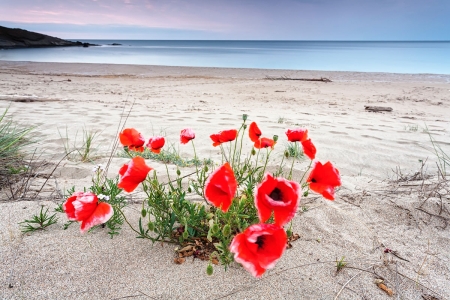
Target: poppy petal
[
  {"x": 156, "y": 143},
  {"x": 132, "y": 139},
  {"x": 254, "y": 132},
  {"x": 228, "y": 135},
  {"x": 220, "y": 187},
  {"x": 309, "y": 149},
  {"x": 297, "y": 135},
  {"x": 264, "y": 143},
  {"x": 216, "y": 139},
  {"x": 85, "y": 205},
  {"x": 323, "y": 179},
  {"x": 68, "y": 207},
  {"x": 259, "y": 247},
  {"x": 186, "y": 135},
  {"x": 101, "y": 214},
  {"x": 136, "y": 171},
  {"x": 277, "y": 195}
]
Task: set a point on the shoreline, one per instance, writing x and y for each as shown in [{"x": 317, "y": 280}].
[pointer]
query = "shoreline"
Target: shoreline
[{"x": 101, "y": 69}]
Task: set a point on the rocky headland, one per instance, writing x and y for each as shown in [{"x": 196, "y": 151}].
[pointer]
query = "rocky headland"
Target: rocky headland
[{"x": 11, "y": 38}]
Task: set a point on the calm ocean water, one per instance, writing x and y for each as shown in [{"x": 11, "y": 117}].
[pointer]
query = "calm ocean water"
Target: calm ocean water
[{"x": 396, "y": 57}]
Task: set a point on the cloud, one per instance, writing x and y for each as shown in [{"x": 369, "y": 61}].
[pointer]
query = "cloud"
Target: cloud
[{"x": 249, "y": 19}]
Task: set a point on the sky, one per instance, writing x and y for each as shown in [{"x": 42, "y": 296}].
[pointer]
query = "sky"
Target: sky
[{"x": 232, "y": 19}]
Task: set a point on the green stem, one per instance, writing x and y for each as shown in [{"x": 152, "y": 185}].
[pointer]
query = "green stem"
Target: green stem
[
  {"x": 267, "y": 159},
  {"x": 223, "y": 154},
  {"x": 280, "y": 167},
  {"x": 309, "y": 167},
  {"x": 235, "y": 145},
  {"x": 195, "y": 158},
  {"x": 292, "y": 166},
  {"x": 240, "y": 148},
  {"x": 257, "y": 158}
]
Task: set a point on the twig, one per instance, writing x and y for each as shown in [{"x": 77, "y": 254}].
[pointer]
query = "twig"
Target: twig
[{"x": 343, "y": 287}]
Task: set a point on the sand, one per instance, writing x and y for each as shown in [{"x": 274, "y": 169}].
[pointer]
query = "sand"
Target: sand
[{"x": 370, "y": 212}]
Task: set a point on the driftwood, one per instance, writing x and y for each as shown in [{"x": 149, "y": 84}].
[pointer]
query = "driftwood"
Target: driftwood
[
  {"x": 377, "y": 108},
  {"x": 322, "y": 79},
  {"x": 27, "y": 99}
]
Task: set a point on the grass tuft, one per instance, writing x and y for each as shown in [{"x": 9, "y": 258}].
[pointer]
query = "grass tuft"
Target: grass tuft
[
  {"x": 170, "y": 155},
  {"x": 294, "y": 150},
  {"x": 38, "y": 222},
  {"x": 85, "y": 152}
]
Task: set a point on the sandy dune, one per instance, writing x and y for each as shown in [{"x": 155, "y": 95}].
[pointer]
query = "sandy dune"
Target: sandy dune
[{"x": 366, "y": 217}]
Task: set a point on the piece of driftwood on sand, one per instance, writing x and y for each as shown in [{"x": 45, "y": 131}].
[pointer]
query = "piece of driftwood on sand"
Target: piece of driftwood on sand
[
  {"x": 377, "y": 108},
  {"x": 322, "y": 79}
]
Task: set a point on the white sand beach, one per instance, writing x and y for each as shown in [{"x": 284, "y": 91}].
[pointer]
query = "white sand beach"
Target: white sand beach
[{"x": 372, "y": 210}]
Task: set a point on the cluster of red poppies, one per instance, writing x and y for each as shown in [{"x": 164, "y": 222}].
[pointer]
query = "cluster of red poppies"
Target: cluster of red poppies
[{"x": 260, "y": 246}]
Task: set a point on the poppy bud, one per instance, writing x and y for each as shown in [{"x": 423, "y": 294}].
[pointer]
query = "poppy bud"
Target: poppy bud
[
  {"x": 289, "y": 232},
  {"x": 209, "y": 270},
  {"x": 253, "y": 151},
  {"x": 305, "y": 194},
  {"x": 275, "y": 138},
  {"x": 226, "y": 231},
  {"x": 151, "y": 226},
  {"x": 144, "y": 212},
  {"x": 178, "y": 172},
  {"x": 189, "y": 189},
  {"x": 244, "y": 117},
  {"x": 185, "y": 234},
  {"x": 206, "y": 168},
  {"x": 215, "y": 228},
  {"x": 244, "y": 168},
  {"x": 286, "y": 154}
]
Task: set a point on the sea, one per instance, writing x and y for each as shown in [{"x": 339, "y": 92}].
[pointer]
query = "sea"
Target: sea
[{"x": 363, "y": 56}]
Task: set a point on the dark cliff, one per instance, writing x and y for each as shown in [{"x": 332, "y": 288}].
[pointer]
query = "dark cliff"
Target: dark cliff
[{"x": 19, "y": 38}]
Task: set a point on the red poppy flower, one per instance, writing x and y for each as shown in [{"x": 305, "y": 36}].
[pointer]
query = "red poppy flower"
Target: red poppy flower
[
  {"x": 259, "y": 247},
  {"x": 133, "y": 173},
  {"x": 264, "y": 143},
  {"x": 187, "y": 135},
  {"x": 309, "y": 149},
  {"x": 254, "y": 132},
  {"x": 297, "y": 135},
  {"x": 323, "y": 179},
  {"x": 223, "y": 137},
  {"x": 156, "y": 143},
  {"x": 132, "y": 139},
  {"x": 279, "y": 196},
  {"x": 220, "y": 187},
  {"x": 85, "y": 208}
]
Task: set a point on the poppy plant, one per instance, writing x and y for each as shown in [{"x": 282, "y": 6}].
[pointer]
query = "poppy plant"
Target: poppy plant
[
  {"x": 297, "y": 135},
  {"x": 187, "y": 135},
  {"x": 85, "y": 208},
  {"x": 220, "y": 187},
  {"x": 264, "y": 143},
  {"x": 156, "y": 143},
  {"x": 323, "y": 179},
  {"x": 254, "y": 132},
  {"x": 133, "y": 173},
  {"x": 259, "y": 247},
  {"x": 132, "y": 139},
  {"x": 279, "y": 196},
  {"x": 309, "y": 149},
  {"x": 223, "y": 137}
]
